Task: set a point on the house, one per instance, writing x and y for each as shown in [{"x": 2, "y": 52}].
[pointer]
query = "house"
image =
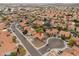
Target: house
[
  {"x": 38, "y": 22},
  {"x": 71, "y": 25},
  {"x": 31, "y": 31},
  {"x": 52, "y": 31},
  {"x": 77, "y": 41},
  {"x": 66, "y": 54},
  {"x": 39, "y": 36},
  {"x": 64, "y": 33},
  {"x": 2, "y": 26},
  {"x": 22, "y": 24},
  {"x": 74, "y": 51},
  {"x": 77, "y": 29}
]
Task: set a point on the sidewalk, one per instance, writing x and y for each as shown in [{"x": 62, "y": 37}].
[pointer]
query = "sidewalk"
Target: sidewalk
[{"x": 27, "y": 52}]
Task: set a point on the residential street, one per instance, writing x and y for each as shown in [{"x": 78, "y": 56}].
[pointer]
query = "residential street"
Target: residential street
[
  {"x": 52, "y": 43},
  {"x": 25, "y": 42},
  {"x": 39, "y": 29}
]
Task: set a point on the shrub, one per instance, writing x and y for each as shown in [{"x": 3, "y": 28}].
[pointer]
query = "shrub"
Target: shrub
[
  {"x": 71, "y": 42},
  {"x": 13, "y": 54},
  {"x": 21, "y": 51},
  {"x": 39, "y": 30},
  {"x": 14, "y": 39},
  {"x": 25, "y": 32}
]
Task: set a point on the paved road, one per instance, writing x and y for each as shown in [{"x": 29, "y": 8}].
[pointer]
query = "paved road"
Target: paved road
[
  {"x": 25, "y": 42},
  {"x": 52, "y": 43}
]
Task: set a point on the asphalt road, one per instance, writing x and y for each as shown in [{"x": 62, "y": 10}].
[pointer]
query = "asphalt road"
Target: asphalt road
[
  {"x": 52, "y": 43},
  {"x": 25, "y": 42}
]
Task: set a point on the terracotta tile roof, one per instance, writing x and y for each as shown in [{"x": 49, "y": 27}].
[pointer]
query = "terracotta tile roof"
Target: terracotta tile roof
[
  {"x": 39, "y": 36},
  {"x": 2, "y": 26},
  {"x": 77, "y": 29},
  {"x": 66, "y": 34},
  {"x": 66, "y": 54},
  {"x": 26, "y": 28},
  {"x": 53, "y": 31},
  {"x": 26, "y": 20},
  {"x": 77, "y": 42},
  {"x": 74, "y": 51},
  {"x": 22, "y": 24},
  {"x": 38, "y": 22},
  {"x": 71, "y": 25},
  {"x": 30, "y": 30}
]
